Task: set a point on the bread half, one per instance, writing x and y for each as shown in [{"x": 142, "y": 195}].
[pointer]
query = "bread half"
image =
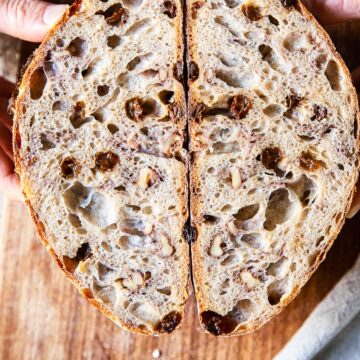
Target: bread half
[
  {"x": 275, "y": 142},
  {"x": 99, "y": 133}
]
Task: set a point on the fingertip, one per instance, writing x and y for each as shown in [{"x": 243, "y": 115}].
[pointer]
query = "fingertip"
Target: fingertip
[{"x": 53, "y": 13}]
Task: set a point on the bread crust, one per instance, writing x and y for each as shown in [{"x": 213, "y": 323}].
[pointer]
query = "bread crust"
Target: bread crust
[
  {"x": 21, "y": 169},
  {"x": 195, "y": 182}
]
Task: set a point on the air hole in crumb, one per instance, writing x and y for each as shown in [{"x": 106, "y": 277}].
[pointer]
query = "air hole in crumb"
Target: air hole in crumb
[
  {"x": 46, "y": 143},
  {"x": 233, "y": 3},
  {"x": 312, "y": 259},
  {"x": 272, "y": 110},
  {"x": 77, "y": 47},
  {"x": 230, "y": 261},
  {"x": 74, "y": 221},
  {"x": 333, "y": 75},
  {"x": 37, "y": 84},
  {"x": 247, "y": 212},
  {"x": 255, "y": 241},
  {"x": 165, "y": 291},
  {"x": 274, "y": 60},
  {"x": 295, "y": 42},
  {"x": 279, "y": 209},
  {"x": 165, "y": 96},
  {"x": 277, "y": 268},
  {"x": 276, "y": 291}
]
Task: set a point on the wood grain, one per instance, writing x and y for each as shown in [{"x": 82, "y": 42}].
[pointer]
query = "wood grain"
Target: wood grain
[{"x": 43, "y": 317}]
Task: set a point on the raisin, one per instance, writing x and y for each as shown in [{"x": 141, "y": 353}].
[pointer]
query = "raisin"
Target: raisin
[
  {"x": 175, "y": 112},
  {"x": 69, "y": 167},
  {"x": 134, "y": 109},
  {"x": 193, "y": 71},
  {"x": 198, "y": 112},
  {"x": 106, "y": 161},
  {"x": 77, "y": 116},
  {"x": 178, "y": 71},
  {"x": 169, "y": 9},
  {"x": 210, "y": 219},
  {"x": 217, "y": 324},
  {"x": 271, "y": 158},
  {"x": 168, "y": 323},
  {"x": 115, "y": 15},
  {"x": 84, "y": 252},
  {"x": 252, "y": 12},
  {"x": 240, "y": 106},
  {"x": 320, "y": 113},
  {"x": 309, "y": 163},
  {"x": 195, "y": 7},
  {"x": 293, "y": 101},
  {"x": 289, "y": 4},
  {"x": 119, "y": 17},
  {"x": 198, "y": 4},
  {"x": 102, "y": 90}
]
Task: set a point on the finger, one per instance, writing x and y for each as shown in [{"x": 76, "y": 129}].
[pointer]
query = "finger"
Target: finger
[
  {"x": 28, "y": 19},
  {"x": 10, "y": 187},
  {"x": 5, "y": 119},
  {"x": 355, "y": 74},
  {"x": 9, "y": 180},
  {"x": 6, "y": 142},
  {"x": 334, "y": 11},
  {"x": 6, "y": 165},
  {"x": 355, "y": 207},
  {"x": 6, "y": 87}
]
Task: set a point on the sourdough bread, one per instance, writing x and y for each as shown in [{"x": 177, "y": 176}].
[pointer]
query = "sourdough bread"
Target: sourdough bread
[
  {"x": 273, "y": 128},
  {"x": 99, "y": 132}
]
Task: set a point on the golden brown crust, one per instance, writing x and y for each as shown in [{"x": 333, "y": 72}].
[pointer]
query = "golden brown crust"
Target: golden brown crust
[
  {"x": 195, "y": 182},
  {"x": 31, "y": 65}
]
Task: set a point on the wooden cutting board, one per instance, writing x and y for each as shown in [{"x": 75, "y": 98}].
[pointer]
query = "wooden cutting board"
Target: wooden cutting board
[{"x": 43, "y": 317}]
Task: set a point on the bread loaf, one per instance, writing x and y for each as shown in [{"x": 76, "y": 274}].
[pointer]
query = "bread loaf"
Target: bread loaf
[
  {"x": 100, "y": 139},
  {"x": 275, "y": 155},
  {"x": 99, "y": 132}
]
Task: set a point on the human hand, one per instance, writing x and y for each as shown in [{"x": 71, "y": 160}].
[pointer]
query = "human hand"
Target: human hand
[
  {"x": 334, "y": 11},
  {"x": 28, "y": 20}
]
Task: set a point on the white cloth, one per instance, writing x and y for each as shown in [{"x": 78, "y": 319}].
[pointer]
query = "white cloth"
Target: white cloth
[{"x": 320, "y": 332}]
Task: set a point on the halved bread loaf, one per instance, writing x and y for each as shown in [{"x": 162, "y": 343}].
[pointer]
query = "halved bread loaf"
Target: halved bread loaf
[
  {"x": 274, "y": 135},
  {"x": 99, "y": 132}
]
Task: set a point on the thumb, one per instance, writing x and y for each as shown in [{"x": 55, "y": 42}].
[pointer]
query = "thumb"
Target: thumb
[
  {"x": 28, "y": 19},
  {"x": 334, "y": 11}
]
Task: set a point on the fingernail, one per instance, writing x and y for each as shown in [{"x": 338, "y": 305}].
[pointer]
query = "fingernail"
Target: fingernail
[
  {"x": 53, "y": 13},
  {"x": 353, "y": 211}
]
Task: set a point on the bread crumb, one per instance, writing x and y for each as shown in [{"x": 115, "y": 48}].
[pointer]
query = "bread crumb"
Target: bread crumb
[{"x": 156, "y": 354}]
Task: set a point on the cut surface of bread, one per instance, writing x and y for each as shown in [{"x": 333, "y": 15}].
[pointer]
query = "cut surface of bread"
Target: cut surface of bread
[
  {"x": 99, "y": 133},
  {"x": 273, "y": 128}
]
